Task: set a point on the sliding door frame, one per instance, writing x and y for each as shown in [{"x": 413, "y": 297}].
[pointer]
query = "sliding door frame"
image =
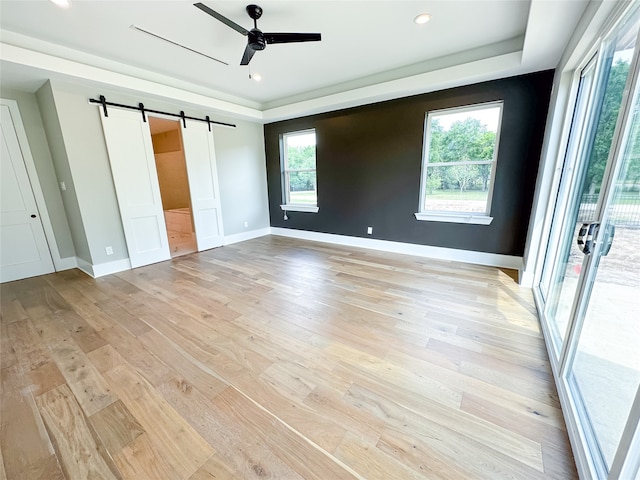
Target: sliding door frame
[{"x": 626, "y": 463}]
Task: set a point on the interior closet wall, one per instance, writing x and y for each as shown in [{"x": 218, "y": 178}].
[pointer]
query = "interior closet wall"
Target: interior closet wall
[
  {"x": 173, "y": 180},
  {"x": 172, "y": 170}
]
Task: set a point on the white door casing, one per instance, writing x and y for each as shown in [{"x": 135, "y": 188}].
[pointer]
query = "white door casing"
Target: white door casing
[
  {"x": 24, "y": 251},
  {"x": 200, "y": 157},
  {"x": 135, "y": 177}
]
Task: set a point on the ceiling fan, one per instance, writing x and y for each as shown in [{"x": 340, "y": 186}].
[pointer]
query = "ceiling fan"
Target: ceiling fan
[{"x": 256, "y": 39}]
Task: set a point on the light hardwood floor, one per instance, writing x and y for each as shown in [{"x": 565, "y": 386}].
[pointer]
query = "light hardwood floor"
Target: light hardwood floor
[{"x": 278, "y": 359}]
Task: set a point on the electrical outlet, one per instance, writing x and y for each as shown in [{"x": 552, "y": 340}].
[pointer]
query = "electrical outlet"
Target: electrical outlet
[
  {"x": 246, "y": 224},
  {"x": 63, "y": 186},
  {"x": 109, "y": 250},
  {"x": 369, "y": 230}
]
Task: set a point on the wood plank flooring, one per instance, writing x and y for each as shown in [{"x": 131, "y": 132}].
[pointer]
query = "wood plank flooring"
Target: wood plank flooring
[{"x": 278, "y": 359}]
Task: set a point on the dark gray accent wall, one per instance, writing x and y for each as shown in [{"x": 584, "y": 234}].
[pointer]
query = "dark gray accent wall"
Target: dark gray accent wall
[{"x": 369, "y": 162}]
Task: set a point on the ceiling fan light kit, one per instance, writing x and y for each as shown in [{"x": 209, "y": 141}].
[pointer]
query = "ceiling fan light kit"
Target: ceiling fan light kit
[
  {"x": 256, "y": 39},
  {"x": 422, "y": 18}
]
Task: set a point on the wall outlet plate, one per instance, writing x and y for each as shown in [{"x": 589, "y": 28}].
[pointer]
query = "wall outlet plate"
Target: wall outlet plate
[
  {"x": 369, "y": 230},
  {"x": 109, "y": 250}
]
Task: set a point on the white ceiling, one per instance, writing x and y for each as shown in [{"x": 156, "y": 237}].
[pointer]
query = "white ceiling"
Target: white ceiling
[{"x": 364, "y": 44}]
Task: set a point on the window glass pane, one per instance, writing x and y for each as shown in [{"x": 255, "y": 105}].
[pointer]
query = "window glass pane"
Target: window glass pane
[
  {"x": 299, "y": 168},
  {"x": 561, "y": 239},
  {"x": 592, "y": 163},
  {"x": 302, "y": 187},
  {"x": 301, "y": 151},
  {"x": 458, "y": 142},
  {"x": 457, "y": 188}
]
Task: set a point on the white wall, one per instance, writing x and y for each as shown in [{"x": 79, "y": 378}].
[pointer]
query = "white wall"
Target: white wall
[
  {"x": 239, "y": 152},
  {"x": 63, "y": 173},
  {"x": 243, "y": 176},
  {"x": 88, "y": 165}
]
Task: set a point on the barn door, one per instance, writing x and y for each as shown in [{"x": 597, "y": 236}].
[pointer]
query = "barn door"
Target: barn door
[
  {"x": 136, "y": 181},
  {"x": 24, "y": 251},
  {"x": 200, "y": 157}
]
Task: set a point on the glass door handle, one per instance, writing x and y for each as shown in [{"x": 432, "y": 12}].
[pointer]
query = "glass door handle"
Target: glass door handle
[
  {"x": 587, "y": 234},
  {"x": 586, "y": 237}
]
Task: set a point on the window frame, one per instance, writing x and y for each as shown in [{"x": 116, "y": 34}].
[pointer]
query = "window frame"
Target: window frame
[
  {"x": 480, "y": 218},
  {"x": 285, "y": 174}
]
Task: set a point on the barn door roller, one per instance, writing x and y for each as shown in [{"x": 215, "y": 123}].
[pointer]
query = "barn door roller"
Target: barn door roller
[{"x": 141, "y": 108}]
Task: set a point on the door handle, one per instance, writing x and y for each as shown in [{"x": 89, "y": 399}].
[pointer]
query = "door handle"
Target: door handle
[{"x": 586, "y": 237}]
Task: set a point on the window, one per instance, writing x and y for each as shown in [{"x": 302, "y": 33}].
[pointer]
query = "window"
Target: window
[
  {"x": 299, "y": 171},
  {"x": 460, "y": 150}
]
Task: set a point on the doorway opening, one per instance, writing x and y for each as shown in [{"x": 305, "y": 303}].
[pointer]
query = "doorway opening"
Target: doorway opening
[{"x": 174, "y": 185}]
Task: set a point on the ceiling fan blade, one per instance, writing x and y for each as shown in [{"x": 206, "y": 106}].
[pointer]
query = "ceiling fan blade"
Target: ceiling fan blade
[
  {"x": 223, "y": 19},
  {"x": 291, "y": 37},
  {"x": 248, "y": 54}
]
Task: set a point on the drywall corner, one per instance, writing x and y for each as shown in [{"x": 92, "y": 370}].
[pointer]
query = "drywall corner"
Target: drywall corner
[{"x": 53, "y": 132}]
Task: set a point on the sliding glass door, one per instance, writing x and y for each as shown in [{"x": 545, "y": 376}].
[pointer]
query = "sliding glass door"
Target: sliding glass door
[
  {"x": 590, "y": 286},
  {"x": 564, "y": 260},
  {"x": 604, "y": 372}
]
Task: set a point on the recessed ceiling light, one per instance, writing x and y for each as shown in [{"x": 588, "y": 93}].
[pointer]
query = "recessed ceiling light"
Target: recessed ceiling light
[
  {"x": 422, "y": 18},
  {"x": 62, "y": 3},
  {"x": 255, "y": 76}
]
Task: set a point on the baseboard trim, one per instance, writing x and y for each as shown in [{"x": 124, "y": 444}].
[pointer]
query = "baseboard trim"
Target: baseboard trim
[
  {"x": 437, "y": 253},
  {"x": 85, "y": 266},
  {"x": 525, "y": 278},
  {"x": 103, "y": 269},
  {"x": 67, "y": 263},
  {"x": 241, "y": 237},
  {"x": 108, "y": 268},
  {"x": 427, "y": 251}
]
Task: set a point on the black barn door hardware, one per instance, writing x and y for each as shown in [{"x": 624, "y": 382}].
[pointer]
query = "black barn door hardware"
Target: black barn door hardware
[{"x": 141, "y": 108}]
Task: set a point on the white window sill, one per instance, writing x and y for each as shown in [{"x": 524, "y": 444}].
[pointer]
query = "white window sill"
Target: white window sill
[
  {"x": 454, "y": 218},
  {"x": 300, "y": 208}
]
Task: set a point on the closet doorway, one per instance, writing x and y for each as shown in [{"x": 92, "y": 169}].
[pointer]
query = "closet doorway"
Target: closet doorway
[
  {"x": 135, "y": 177},
  {"x": 173, "y": 179}
]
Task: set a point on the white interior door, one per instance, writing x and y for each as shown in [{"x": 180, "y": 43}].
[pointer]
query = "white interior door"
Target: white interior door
[
  {"x": 136, "y": 180},
  {"x": 24, "y": 251},
  {"x": 203, "y": 184}
]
